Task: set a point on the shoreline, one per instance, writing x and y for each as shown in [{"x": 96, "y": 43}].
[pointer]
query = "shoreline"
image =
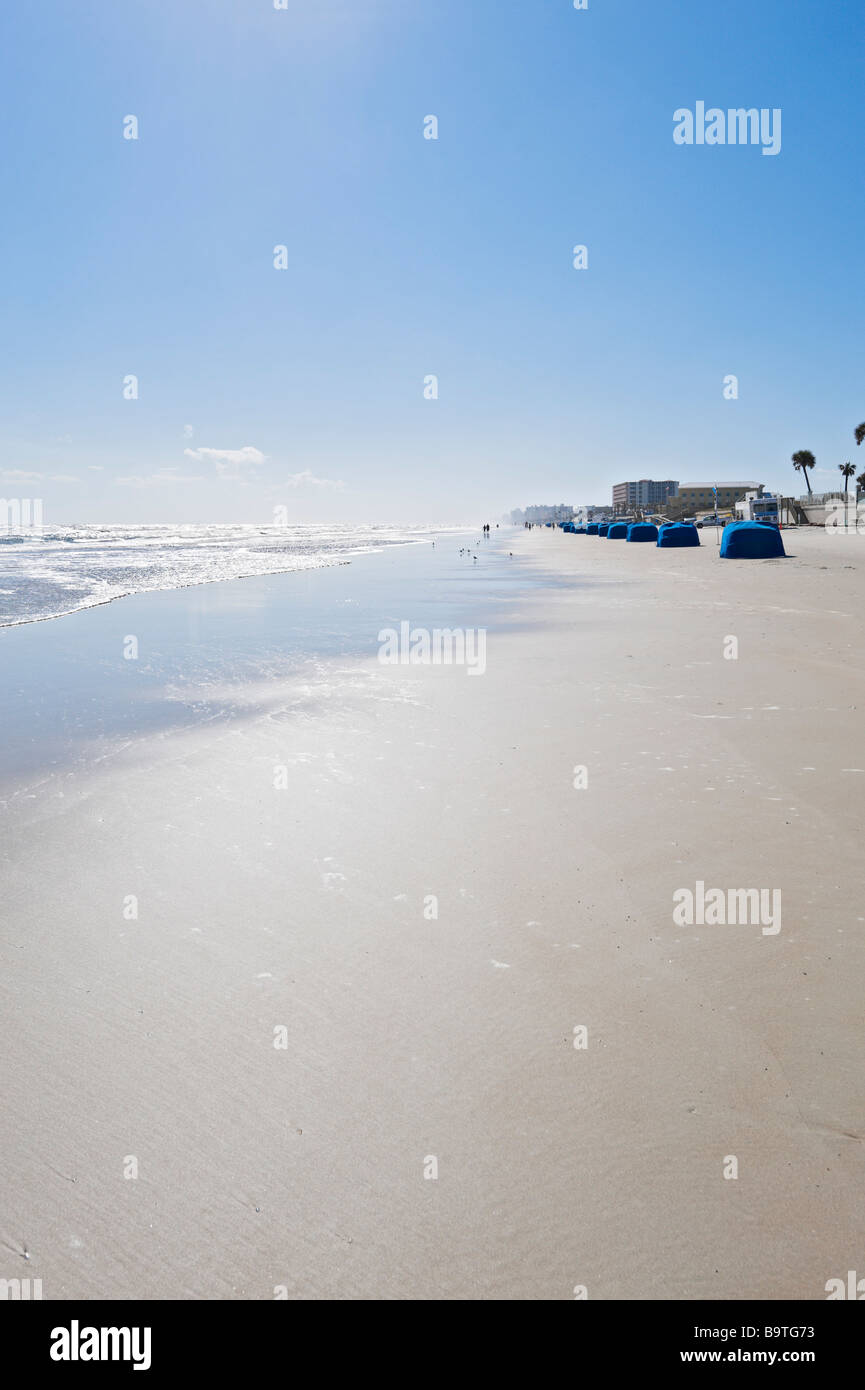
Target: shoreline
[{"x": 222, "y": 579}]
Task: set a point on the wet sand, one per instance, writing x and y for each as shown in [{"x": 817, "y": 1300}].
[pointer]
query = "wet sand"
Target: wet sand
[{"x": 411, "y": 1036}]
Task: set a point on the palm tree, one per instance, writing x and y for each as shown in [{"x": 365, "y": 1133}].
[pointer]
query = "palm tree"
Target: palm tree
[
  {"x": 847, "y": 470},
  {"x": 859, "y": 435},
  {"x": 802, "y": 461}
]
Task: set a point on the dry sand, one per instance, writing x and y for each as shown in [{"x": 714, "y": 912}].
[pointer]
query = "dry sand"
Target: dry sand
[{"x": 303, "y": 1167}]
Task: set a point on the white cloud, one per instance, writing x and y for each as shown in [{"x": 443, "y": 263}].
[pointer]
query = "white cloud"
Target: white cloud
[
  {"x": 164, "y": 476},
  {"x": 188, "y": 431},
  {"x": 95, "y": 468},
  {"x": 308, "y": 479},
  {"x": 20, "y": 475},
  {"x": 230, "y": 463}
]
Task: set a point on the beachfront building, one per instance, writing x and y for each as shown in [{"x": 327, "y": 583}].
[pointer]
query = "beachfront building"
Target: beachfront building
[
  {"x": 695, "y": 498},
  {"x": 829, "y": 508},
  {"x": 554, "y": 512},
  {"x": 645, "y": 495}
]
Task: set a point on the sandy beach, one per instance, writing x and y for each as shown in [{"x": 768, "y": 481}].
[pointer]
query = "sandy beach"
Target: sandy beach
[{"x": 373, "y": 908}]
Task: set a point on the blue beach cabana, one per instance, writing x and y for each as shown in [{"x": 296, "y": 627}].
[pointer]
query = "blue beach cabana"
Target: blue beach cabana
[
  {"x": 642, "y": 531},
  {"x": 751, "y": 540},
  {"x": 678, "y": 533},
  {"x": 618, "y": 531},
  {"x": 592, "y": 528},
  {"x": 603, "y": 528}
]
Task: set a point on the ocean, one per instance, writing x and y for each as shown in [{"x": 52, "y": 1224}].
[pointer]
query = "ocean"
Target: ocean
[
  {"x": 72, "y": 567},
  {"x": 72, "y": 691}
]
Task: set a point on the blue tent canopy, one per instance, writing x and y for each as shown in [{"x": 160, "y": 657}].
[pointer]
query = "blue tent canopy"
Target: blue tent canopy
[
  {"x": 603, "y": 528},
  {"x": 618, "y": 531},
  {"x": 642, "y": 531},
  {"x": 678, "y": 533},
  {"x": 592, "y": 528},
  {"x": 751, "y": 540}
]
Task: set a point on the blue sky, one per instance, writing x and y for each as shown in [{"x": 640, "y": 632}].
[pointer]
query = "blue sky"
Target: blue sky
[{"x": 303, "y": 127}]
